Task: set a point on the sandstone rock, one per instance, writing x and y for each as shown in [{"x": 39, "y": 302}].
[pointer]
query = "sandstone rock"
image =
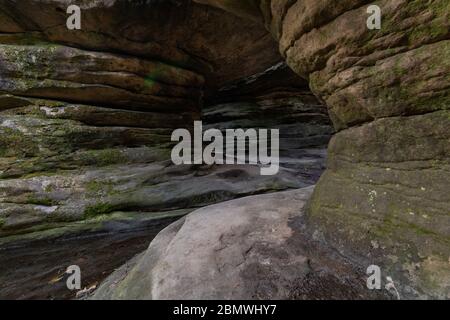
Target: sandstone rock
[
  {"x": 84, "y": 114},
  {"x": 387, "y": 92},
  {"x": 251, "y": 248},
  {"x": 176, "y": 32},
  {"x": 64, "y": 73}
]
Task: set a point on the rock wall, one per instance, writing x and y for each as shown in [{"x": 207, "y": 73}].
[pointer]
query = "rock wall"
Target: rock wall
[
  {"x": 250, "y": 248},
  {"x": 384, "y": 198},
  {"x": 88, "y": 137},
  {"x": 86, "y": 118},
  {"x": 84, "y": 113}
]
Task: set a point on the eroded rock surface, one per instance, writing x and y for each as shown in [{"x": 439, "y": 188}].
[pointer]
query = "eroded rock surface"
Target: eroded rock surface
[
  {"x": 86, "y": 118},
  {"x": 387, "y": 92},
  {"x": 251, "y": 248},
  {"x": 133, "y": 77}
]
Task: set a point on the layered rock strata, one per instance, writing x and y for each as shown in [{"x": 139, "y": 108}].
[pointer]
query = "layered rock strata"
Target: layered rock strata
[
  {"x": 86, "y": 116},
  {"x": 384, "y": 198},
  {"x": 86, "y": 119}
]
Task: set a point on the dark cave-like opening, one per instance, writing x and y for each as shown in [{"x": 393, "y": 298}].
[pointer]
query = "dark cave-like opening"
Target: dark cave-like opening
[{"x": 276, "y": 99}]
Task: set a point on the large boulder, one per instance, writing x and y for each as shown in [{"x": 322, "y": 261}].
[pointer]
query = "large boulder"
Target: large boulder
[{"x": 251, "y": 248}]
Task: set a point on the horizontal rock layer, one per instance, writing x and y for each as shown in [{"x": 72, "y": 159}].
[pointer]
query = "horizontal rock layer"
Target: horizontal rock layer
[
  {"x": 176, "y": 32},
  {"x": 84, "y": 113},
  {"x": 387, "y": 92},
  {"x": 86, "y": 119}
]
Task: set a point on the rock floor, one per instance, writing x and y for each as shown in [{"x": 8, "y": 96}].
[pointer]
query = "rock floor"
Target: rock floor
[{"x": 257, "y": 247}]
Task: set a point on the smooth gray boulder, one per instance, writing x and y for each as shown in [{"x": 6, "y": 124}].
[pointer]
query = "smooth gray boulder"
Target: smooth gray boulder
[{"x": 252, "y": 248}]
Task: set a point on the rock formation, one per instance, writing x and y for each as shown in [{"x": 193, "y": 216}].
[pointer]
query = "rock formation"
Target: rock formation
[
  {"x": 84, "y": 114},
  {"x": 384, "y": 197},
  {"x": 251, "y": 248},
  {"x": 86, "y": 117}
]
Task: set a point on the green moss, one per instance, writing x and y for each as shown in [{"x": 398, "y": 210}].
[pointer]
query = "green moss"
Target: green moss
[
  {"x": 2, "y": 222},
  {"x": 94, "y": 186},
  {"x": 41, "y": 201},
  {"x": 104, "y": 157},
  {"x": 15, "y": 143},
  {"x": 49, "y": 188},
  {"x": 106, "y": 187},
  {"x": 427, "y": 32},
  {"x": 44, "y": 174},
  {"x": 156, "y": 75},
  {"x": 30, "y": 59},
  {"x": 98, "y": 209},
  {"x": 433, "y": 30},
  {"x": 149, "y": 81}
]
